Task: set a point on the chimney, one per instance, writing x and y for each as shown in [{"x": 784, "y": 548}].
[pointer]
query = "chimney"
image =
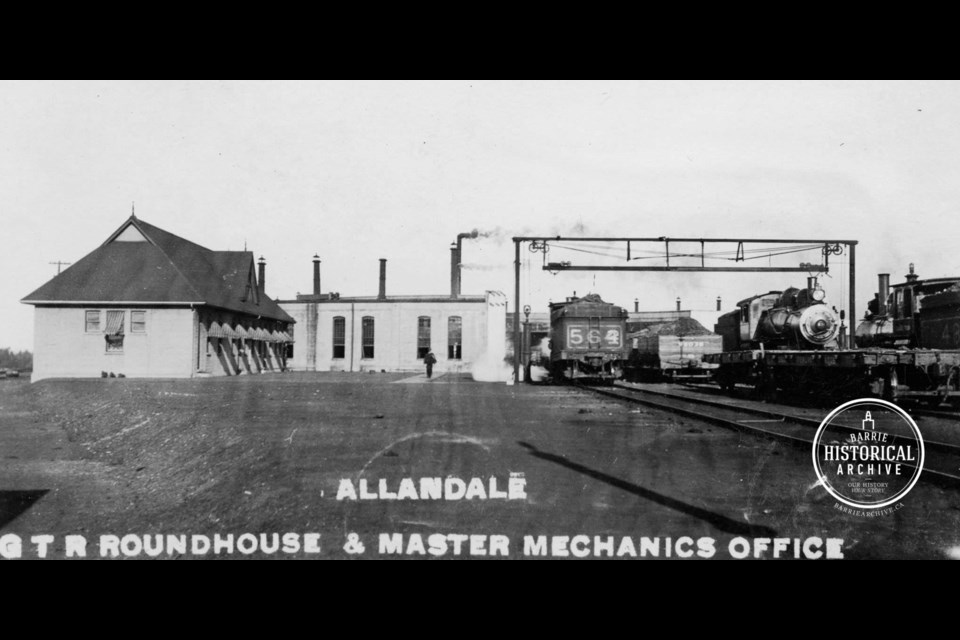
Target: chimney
[
  {"x": 811, "y": 283},
  {"x": 678, "y": 303},
  {"x": 883, "y": 291},
  {"x": 262, "y": 274},
  {"x": 383, "y": 280},
  {"x": 316, "y": 275},
  {"x": 454, "y": 271},
  {"x": 636, "y": 305},
  {"x": 455, "y": 275},
  {"x": 718, "y": 303}
]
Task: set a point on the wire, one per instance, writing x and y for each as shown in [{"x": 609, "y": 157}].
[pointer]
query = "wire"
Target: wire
[{"x": 739, "y": 255}]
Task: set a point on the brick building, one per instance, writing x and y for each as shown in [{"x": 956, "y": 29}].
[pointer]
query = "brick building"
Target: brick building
[{"x": 394, "y": 333}]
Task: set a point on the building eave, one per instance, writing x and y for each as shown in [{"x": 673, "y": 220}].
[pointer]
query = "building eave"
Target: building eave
[
  {"x": 109, "y": 302},
  {"x": 144, "y": 303},
  {"x": 374, "y": 299}
]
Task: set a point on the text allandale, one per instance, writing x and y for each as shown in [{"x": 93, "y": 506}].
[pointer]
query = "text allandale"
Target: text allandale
[{"x": 434, "y": 488}]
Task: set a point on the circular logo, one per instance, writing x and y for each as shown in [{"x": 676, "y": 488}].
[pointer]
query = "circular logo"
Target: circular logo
[{"x": 868, "y": 453}]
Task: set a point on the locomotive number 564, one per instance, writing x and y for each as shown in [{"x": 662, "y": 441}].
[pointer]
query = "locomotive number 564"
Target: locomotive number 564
[{"x": 586, "y": 338}]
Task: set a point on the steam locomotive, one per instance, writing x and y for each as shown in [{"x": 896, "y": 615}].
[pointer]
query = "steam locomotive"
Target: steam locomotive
[
  {"x": 916, "y": 326},
  {"x": 793, "y": 319},
  {"x": 769, "y": 338},
  {"x": 587, "y": 339},
  {"x": 914, "y": 314},
  {"x": 908, "y": 345}
]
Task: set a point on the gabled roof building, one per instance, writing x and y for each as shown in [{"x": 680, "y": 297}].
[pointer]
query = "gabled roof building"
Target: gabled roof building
[{"x": 148, "y": 303}]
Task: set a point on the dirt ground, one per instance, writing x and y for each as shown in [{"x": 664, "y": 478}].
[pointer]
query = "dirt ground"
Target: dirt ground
[{"x": 267, "y": 455}]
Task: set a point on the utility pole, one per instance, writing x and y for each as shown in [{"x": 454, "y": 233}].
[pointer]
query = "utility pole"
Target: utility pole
[{"x": 59, "y": 264}]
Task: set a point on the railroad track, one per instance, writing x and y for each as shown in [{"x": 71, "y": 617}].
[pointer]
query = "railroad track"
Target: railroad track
[
  {"x": 911, "y": 407},
  {"x": 933, "y": 413},
  {"x": 933, "y": 445},
  {"x": 941, "y": 467}
]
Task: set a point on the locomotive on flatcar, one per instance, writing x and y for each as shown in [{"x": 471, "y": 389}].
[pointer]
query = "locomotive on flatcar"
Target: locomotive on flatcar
[
  {"x": 770, "y": 338},
  {"x": 911, "y": 314},
  {"x": 908, "y": 345},
  {"x": 914, "y": 327},
  {"x": 790, "y": 319},
  {"x": 587, "y": 339}
]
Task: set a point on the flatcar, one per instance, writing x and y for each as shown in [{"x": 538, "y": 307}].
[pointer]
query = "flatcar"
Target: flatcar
[{"x": 587, "y": 339}]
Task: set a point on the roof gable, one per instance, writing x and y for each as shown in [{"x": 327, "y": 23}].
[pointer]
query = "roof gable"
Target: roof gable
[
  {"x": 143, "y": 263},
  {"x": 130, "y": 233},
  {"x": 119, "y": 272}
]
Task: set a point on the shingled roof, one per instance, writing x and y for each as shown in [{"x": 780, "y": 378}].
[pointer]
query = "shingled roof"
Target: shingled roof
[{"x": 159, "y": 268}]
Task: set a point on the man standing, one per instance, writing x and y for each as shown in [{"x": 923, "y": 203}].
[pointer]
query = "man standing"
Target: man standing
[{"x": 429, "y": 360}]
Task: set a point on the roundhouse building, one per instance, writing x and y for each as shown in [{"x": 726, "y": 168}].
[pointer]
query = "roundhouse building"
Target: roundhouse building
[
  {"x": 148, "y": 303},
  {"x": 394, "y": 333}
]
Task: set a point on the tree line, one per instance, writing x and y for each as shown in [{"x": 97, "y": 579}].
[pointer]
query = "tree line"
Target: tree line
[{"x": 10, "y": 359}]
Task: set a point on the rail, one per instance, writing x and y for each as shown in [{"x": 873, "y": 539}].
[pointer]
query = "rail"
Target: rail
[{"x": 790, "y": 431}]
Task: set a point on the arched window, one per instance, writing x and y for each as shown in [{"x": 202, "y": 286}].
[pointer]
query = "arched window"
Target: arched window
[
  {"x": 423, "y": 336},
  {"x": 454, "y": 337},
  {"x": 368, "y": 337},
  {"x": 339, "y": 337}
]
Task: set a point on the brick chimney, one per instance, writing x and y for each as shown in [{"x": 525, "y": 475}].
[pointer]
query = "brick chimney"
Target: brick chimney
[
  {"x": 454, "y": 271},
  {"x": 262, "y": 275},
  {"x": 383, "y": 280},
  {"x": 316, "y": 275}
]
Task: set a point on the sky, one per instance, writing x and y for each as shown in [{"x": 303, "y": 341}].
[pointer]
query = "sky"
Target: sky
[{"x": 357, "y": 171}]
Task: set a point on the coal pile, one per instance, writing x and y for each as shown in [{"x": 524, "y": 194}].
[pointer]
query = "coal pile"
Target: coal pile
[{"x": 678, "y": 327}]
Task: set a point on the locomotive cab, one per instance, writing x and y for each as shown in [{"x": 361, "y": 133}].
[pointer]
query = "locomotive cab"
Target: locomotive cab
[{"x": 752, "y": 310}]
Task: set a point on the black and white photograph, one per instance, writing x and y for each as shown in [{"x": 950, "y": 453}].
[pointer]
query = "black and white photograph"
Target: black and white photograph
[{"x": 480, "y": 320}]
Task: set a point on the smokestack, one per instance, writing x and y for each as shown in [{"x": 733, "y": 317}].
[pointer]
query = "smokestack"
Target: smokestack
[
  {"x": 316, "y": 275},
  {"x": 883, "y": 290},
  {"x": 454, "y": 270},
  {"x": 383, "y": 280},
  {"x": 678, "y": 303},
  {"x": 262, "y": 274},
  {"x": 911, "y": 277},
  {"x": 811, "y": 282},
  {"x": 456, "y": 279},
  {"x": 718, "y": 303},
  {"x": 636, "y": 305}
]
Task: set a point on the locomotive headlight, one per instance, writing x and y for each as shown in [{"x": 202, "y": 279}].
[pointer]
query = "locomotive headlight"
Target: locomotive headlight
[
  {"x": 818, "y": 324},
  {"x": 819, "y": 295}
]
